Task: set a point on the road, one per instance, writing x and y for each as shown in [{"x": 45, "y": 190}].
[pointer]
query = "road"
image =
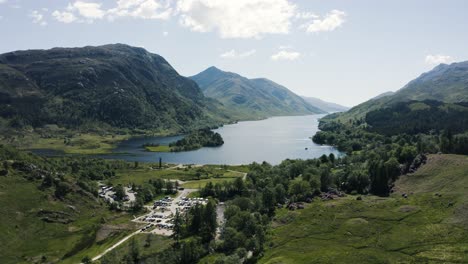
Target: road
[{"x": 244, "y": 177}]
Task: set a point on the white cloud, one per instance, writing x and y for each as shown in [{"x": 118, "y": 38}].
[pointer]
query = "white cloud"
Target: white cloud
[
  {"x": 438, "y": 59},
  {"x": 229, "y": 18},
  {"x": 38, "y": 18},
  {"x": 143, "y": 9},
  {"x": 3, "y": 1},
  {"x": 233, "y": 54},
  {"x": 80, "y": 11},
  {"x": 286, "y": 55},
  {"x": 306, "y": 15},
  {"x": 150, "y": 9},
  {"x": 330, "y": 22},
  {"x": 64, "y": 17},
  {"x": 237, "y": 19},
  {"x": 87, "y": 10}
]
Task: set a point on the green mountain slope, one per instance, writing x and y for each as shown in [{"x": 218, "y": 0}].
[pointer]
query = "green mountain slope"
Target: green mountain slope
[
  {"x": 446, "y": 83},
  {"x": 115, "y": 85},
  {"x": 427, "y": 227},
  {"x": 413, "y": 117},
  {"x": 251, "y": 98},
  {"x": 325, "y": 106}
]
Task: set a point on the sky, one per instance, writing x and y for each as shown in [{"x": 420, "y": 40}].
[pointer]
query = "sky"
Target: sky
[{"x": 343, "y": 51}]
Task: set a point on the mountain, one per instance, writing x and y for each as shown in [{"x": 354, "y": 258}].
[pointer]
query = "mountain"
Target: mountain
[
  {"x": 325, "y": 106},
  {"x": 113, "y": 85},
  {"x": 445, "y": 83},
  {"x": 251, "y": 98},
  {"x": 383, "y": 95}
]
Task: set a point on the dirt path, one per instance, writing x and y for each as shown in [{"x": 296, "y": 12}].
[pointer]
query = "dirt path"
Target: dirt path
[
  {"x": 244, "y": 177},
  {"x": 116, "y": 245}
]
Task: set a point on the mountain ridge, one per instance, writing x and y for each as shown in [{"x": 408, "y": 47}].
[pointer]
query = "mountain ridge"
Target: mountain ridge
[
  {"x": 446, "y": 83},
  {"x": 116, "y": 85},
  {"x": 254, "y": 98}
]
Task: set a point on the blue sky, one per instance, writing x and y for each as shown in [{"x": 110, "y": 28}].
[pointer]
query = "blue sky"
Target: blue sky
[{"x": 342, "y": 51}]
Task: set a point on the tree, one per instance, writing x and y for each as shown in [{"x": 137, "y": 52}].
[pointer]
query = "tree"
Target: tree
[
  {"x": 196, "y": 214},
  {"x": 280, "y": 193},
  {"x": 325, "y": 177},
  {"x": 209, "y": 224},
  {"x": 148, "y": 240},
  {"x": 177, "y": 228},
  {"x": 119, "y": 193},
  {"x": 169, "y": 187},
  {"x": 86, "y": 260},
  {"x": 268, "y": 200},
  {"x": 379, "y": 178},
  {"x": 392, "y": 168},
  {"x": 299, "y": 188},
  {"x": 134, "y": 250},
  {"x": 358, "y": 181},
  {"x": 324, "y": 158},
  {"x": 239, "y": 185},
  {"x": 61, "y": 189},
  {"x": 408, "y": 153}
]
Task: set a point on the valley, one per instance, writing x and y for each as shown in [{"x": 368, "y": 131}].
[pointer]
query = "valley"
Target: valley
[{"x": 109, "y": 155}]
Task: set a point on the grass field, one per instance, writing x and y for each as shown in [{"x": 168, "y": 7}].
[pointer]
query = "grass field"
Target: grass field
[
  {"x": 161, "y": 148},
  {"x": 201, "y": 183},
  {"x": 87, "y": 144},
  {"x": 145, "y": 173},
  {"x": 430, "y": 226}
]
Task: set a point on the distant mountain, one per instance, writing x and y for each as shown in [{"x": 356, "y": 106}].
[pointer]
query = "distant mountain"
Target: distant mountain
[
  {"x": 445, "y": 83},
  {"x": 325, "y": 106},
  {"x": 251, "y": 98},
  {"x": 112, "y": 85}
]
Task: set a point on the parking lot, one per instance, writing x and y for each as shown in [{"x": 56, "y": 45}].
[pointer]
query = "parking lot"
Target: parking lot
[
  {"x": 161, "y": 216},
  {"x": 108, "y": 193}
]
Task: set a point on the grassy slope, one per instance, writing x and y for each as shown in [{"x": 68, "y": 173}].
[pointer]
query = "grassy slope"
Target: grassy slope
[
  {"x": 25, "y": 238},
  {"x": 87, "y": 144},
  {"x": 424, "y": 228},
  {"x": 157, "y": 244}
]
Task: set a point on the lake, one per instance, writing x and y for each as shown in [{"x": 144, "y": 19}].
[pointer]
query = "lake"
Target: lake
[{"x": 272, "y": 140}]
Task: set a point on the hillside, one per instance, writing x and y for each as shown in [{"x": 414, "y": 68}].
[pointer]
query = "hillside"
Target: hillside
[
  {"x": 446, "y": 83},
  {"x": 427, "y": 227},
  {"x": 325, "y": 106},
  {"x": 112, "y": 86},
  {"x": 49, "y": 214},
  {"x": 251, "y": 98}
]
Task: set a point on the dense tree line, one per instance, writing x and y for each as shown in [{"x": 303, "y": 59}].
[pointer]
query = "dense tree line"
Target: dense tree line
[{"x": 415, "y": 117}]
